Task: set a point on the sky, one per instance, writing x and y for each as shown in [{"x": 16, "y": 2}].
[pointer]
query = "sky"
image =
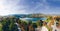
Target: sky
[{"x": 29, "y": 6}]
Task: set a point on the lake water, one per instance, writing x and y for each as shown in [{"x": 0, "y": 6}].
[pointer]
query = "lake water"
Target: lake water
[{"x": 33, "y": 19}]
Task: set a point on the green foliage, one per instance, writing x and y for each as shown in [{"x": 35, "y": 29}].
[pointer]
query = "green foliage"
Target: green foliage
[
  {"x": 8, "y": 25},
  {"x": 0, "y": 26}
]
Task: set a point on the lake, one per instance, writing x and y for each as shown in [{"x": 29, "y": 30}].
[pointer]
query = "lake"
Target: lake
[{"x": 33, "y": 19}]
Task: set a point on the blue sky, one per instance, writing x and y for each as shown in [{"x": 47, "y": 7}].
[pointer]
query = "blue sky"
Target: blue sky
[{"x": 29, "y": 6}]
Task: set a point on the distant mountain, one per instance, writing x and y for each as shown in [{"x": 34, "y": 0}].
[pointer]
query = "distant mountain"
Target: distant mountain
[
  {"x": 20, "y": 15},
  {"x": 31, "y": 15},
  {"x": 26, "y": 15}
]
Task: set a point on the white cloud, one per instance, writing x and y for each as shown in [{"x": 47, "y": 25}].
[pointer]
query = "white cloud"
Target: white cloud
[{"x": 10, "y": 7}]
